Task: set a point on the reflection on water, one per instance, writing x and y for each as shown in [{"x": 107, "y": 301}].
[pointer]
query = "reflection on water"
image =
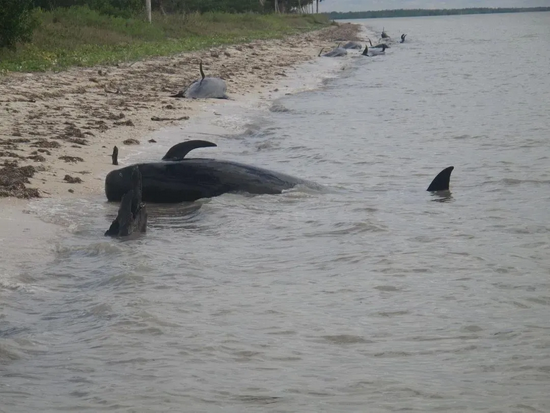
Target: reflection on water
[
  {"x": 442, "y": 196},
  {"x": 364, "y": 296}
]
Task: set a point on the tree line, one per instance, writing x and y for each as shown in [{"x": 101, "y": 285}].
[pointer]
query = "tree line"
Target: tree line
[
  {"x": 429, "y": 12},
  {"x": 17, "y": 18},
  {"x": 124, "y": 7}
]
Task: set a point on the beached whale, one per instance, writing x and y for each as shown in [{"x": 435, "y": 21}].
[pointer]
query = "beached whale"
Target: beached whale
[
  {"x": 352, "y": 45},
  {"x": 336, "y": 52},
  {"x": 179, "y": 179},
  {"x": 375, "y": 52},
  {"x": 206, "y": 87}
]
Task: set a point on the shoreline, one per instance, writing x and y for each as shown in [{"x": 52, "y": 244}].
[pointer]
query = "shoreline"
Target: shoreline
[
  {"x": 66, "y": 123},
  {"x": 29, "y": 235}
]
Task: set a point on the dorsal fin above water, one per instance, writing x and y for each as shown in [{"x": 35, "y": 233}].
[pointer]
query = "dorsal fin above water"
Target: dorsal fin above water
[
  {"x": 441, "y": 181},
  {"x": 178, "y": 152}
]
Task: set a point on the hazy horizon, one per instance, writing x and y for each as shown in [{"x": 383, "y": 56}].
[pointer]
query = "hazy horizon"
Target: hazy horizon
[{"x": 367, "y": 5}]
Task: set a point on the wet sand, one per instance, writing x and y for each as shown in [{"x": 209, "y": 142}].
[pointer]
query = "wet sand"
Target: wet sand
[
  {"x": 58, "y": 130},
  {"x": 58, "y": 125}
]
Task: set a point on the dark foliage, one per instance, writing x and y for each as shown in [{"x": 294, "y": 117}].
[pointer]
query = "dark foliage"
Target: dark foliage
[
  {"x": 16, "y": 22},
  {"x": 428, "y": 12}
]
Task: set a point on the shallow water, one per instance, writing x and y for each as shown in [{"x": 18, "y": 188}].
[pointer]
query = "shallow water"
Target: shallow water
[{"x": 370, "y": 295}]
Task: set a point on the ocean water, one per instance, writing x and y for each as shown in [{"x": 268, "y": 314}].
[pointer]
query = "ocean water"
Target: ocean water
[{"x": 369, "y": 295}]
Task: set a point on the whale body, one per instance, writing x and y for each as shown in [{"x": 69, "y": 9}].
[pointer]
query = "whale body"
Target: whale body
[
  {"x": 189, "y": 179},
  {"x": 204, "y": 88}
]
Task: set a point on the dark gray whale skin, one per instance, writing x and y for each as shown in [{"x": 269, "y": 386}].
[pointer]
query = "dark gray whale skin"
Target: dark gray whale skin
[{"x": 196, "y": 178}]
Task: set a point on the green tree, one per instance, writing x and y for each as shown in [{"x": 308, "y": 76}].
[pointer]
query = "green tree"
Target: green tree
[
  {"x": 123, "y": 8},
  {"x": 17, "y": 22}
]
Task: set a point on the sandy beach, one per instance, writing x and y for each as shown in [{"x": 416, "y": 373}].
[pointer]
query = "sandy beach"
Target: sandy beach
[{"x": 58, "y": 130}]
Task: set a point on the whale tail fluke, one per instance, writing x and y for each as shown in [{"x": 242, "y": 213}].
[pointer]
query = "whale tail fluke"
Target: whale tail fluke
[
  {"x": 441, "y": 181},
  {"x": 178, "y": 152}
]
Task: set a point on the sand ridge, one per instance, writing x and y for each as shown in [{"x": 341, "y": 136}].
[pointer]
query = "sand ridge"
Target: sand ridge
[{"x": 57, "y": 130}]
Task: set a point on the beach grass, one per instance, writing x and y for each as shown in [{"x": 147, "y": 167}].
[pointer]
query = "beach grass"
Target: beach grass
[{"x": 79, "y": 36}]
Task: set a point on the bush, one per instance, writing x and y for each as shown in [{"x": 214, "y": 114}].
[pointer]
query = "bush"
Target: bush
[{"x": 17, "y": 22}]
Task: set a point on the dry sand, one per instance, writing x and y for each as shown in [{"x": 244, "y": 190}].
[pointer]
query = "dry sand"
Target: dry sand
[{"x": 57, "y": 130}]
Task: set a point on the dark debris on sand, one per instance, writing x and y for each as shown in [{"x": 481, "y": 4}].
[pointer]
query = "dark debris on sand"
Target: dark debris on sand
[
  {"x": 13, "y": 179},
  {"x": 72, "y": 179},
  {"x": 71, "y": 159},
  {"x": 342, "y": 32}
]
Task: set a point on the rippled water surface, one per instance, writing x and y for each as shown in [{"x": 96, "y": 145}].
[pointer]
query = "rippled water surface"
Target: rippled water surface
[{"x": 370, "y": 295}]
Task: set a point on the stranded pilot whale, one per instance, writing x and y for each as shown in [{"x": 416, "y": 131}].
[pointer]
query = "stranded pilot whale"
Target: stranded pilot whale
[
  {"x": 180, "y": 179},
  {"x": 206, "y": 87},
  {"x": 336, "y": 52}
]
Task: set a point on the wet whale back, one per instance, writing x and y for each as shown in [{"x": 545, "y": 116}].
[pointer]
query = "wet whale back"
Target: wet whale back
[
  {"x": 352, "y": 45},
  {"x": 209, "y": 87},
  {"x": 195, "y": 178},
  {"x": 337, "y": 52}
]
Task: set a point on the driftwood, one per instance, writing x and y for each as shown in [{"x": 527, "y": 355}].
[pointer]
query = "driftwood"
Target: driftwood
[
  {"x": 132, "y": 213},
  {"x": 114, "y": 156}
]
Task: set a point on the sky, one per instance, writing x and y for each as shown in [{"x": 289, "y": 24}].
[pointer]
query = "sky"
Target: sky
[{"x": 361, "y": 5}]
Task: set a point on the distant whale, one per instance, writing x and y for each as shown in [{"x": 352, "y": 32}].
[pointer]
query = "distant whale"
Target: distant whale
[
  {"x": 206, "y": 87},
  {"x": 352, "y": 45},
  {"x": 375, "y": 52},
  {"x": 336, "y": 52},
  {"x": 180, "y": 179},
  {"x": 442, "y": 181},
  {"x": 403, "y": 38}
]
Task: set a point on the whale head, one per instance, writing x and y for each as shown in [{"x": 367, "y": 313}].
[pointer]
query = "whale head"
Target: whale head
[{"x": 117, "y": 183}]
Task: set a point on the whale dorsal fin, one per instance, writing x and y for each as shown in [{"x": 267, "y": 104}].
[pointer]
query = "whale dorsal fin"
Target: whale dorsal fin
[
  {"x": 200, "y": 70},
  {"x": 366, "y": 51},
  {"x": 441, "y": 181},
  {"x": 202, "y": 73},
  {"x": 178, "y": 152}
]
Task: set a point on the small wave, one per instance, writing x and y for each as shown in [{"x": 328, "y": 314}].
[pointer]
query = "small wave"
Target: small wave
[
  {"x": 392, "y": 313},
  {"x": 392, "y": 354},
  {"x": 387, "y": 288},
  {"x": 7, "y": 353},
  {"x": 103, "y": 311},
  {"x": 514, "y": 182},
  {"x": 345, "y": 339},
  {"x": 252, "y": 399},
  {"x": 346, "y": 228},
  {"x": 267, "y": 145},
  {"x": 107, "y": 248},
  {"x": 8, "y": 285},
  {"x": 278, "y": 107}
]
